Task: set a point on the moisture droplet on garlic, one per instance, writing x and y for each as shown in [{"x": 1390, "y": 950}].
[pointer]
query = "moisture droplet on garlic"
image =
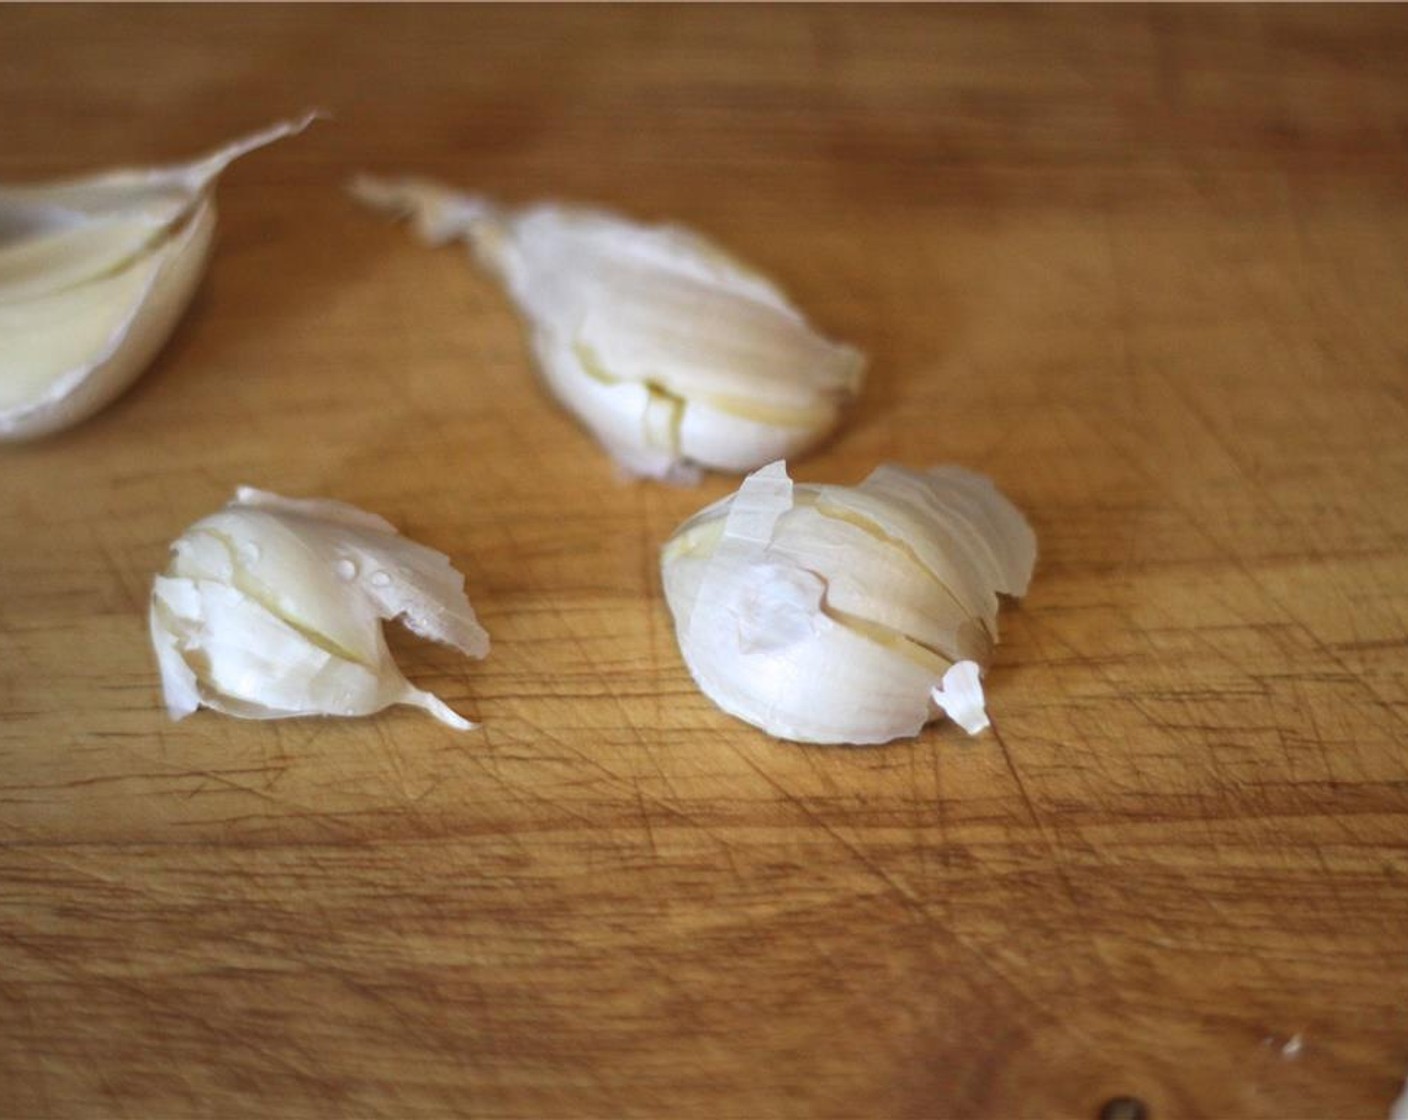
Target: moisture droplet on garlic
[
  {"x": 272, "y": 608},
  {"x": 673, "y": 354},
  {"x": 94, "y": 276},
  {"x": 847, "y": 614}
]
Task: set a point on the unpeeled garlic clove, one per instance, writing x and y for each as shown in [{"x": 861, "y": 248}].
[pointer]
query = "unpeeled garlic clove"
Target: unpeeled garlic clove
[
  {"x": 671, "y": 352},
  {"x": 94, "y": 276},
  {"x": 837, "y": 614},
  {"x": 272, "y": 608}
]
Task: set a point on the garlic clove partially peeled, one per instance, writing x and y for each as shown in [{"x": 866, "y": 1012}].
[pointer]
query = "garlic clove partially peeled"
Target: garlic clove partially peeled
[
  {"x": 834, "y": 614},
  {"x": 672, "y": 353},
  {"x": 95, "y": 273},
  {"x": 272, "y": 607}
]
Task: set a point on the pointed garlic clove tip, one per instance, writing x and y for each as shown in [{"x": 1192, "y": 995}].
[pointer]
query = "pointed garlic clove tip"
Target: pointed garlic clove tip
[
  {"x": 272, "y": 608},
  {"x": 672, "y": 353},
  {"x": 438, "y": 215},
  {"x": 436, "y": 707},
  {"x": 834, "y": 614},
  {"x": 95, "y": 273},
  {"x": 200, "y": 172}
]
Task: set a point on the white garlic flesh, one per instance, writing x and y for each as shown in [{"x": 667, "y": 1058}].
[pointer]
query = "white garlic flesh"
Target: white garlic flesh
[
  {"x": 672, "y": 353},
  {"x": 839, "y": 614},
  {"x": 272, "y": 607},
  {"x": 95, "y": 273}
]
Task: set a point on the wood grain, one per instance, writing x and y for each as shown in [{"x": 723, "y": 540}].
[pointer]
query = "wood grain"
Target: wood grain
[{"x": 1144, "y": 266}]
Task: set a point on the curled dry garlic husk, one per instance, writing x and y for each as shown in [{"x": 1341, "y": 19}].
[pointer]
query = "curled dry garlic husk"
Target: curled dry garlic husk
[
  {"x": 840, "y": 614},
  {"x": 272, "y": 608},
  {"x": 94, "y": 275},
  {"x": 673, "y": 354}
]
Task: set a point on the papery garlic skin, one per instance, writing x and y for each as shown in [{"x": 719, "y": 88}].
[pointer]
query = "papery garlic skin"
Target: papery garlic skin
[
  {"x": 95, "y": 273},
  {"x": 837, "y": 614},
  {"x": 271, "y": 608},
  {"x": 672, "y": 353}
]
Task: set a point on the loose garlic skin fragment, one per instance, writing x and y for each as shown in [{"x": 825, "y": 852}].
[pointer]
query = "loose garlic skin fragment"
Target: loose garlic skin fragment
[
  {"x": 95, "y": 273},
  {"x": 272, "y": 608},
  {"x": 672, "y": 353},
  {"x": 836, "y": 614}
]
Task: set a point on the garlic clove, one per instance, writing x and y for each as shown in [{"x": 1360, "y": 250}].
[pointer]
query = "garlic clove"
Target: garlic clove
[
  {"x": 993, "y": 533},
  {"x": 272, "y": 608},
  {"x": 959, "y": 527},
  {"x": 723, "y": 435},
  {"x": 259, "y": 664},
  {"x": 672, "y": 353},
  {"x": 95, "y": 273},
  {"x": 830, "y": 614},
  {"x": 403, "y": 579},
  {"x": 64, "y": 255},
  {"x": 766, "y": 638},
  {"x": 69, "y": 353},
  {"x": 880, "y": 587},
  {"x": 277, "y": 562},
  {"x": 699, "y": 341}
]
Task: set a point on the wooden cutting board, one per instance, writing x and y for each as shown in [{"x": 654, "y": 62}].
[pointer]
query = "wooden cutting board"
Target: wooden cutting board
[{"x": 1144, "y": 267}]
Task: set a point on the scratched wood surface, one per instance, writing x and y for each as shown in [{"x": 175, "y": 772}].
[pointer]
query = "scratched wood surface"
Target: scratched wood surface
[{"x": 1145, "y": 267}]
